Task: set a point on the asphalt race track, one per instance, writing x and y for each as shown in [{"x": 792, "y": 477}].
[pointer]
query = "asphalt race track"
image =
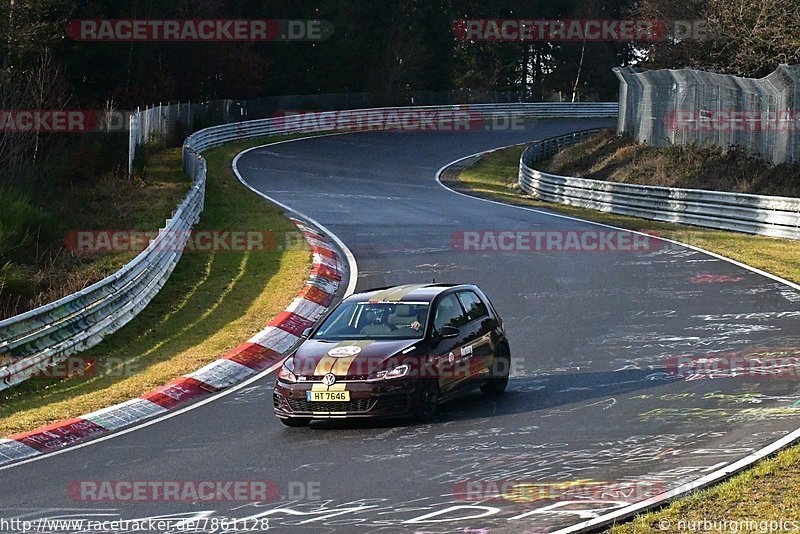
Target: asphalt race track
[{"x": 591, "y": 422}]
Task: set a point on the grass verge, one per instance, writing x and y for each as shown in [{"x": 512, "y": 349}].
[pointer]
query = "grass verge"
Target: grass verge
[
  {"x": 212, "y": 302},
  {"x": 608, "y": 156},
  {"x": 762, "y": 493}
]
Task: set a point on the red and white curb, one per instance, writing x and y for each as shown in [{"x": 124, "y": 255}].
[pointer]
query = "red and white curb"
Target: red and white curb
[{"x": 268, "y": 347}]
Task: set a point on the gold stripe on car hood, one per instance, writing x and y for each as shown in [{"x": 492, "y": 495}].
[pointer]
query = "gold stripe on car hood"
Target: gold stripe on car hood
[{"x": 337, "y": 366}]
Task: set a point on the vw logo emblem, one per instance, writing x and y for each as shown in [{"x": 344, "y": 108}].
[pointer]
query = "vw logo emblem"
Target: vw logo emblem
[{"x": 329, "y": 379}]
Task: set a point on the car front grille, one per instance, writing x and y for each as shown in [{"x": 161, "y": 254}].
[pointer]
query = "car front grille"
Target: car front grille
[
  {"x": 358, "y": 405},
  {"x": 318, "y": 378}
]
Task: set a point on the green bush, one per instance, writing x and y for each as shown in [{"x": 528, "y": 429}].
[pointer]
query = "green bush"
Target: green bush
[{"x": 20, "y": 222}]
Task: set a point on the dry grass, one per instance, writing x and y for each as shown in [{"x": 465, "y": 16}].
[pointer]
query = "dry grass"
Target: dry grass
[{"x": 620, "y": 159}]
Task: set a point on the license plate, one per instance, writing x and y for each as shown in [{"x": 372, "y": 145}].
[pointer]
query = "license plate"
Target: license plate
[{"x": 328, "y": 396}]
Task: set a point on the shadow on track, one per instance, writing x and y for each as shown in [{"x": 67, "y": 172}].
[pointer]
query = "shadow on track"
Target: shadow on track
[{"x": 535, "y": 395}]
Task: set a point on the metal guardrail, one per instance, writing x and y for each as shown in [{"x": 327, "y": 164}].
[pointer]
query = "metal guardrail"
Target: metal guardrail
[
  {"x": 754, "y": 214},
  {"x": 310, "y": 123},
  {"x": 159, "y": 122},
  {"x": 43, "y": 337}
]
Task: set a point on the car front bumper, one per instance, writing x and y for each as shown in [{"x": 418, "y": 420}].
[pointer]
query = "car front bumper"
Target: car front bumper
[{"x": 391, "y": 398}]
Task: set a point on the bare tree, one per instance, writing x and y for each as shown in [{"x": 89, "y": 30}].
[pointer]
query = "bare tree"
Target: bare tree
[
  {"x": 578, "y": 75},
  {"x": 13, "y": 145},
  {"x": 46, "y": 90},
  {"x": 739, "y": 37}
]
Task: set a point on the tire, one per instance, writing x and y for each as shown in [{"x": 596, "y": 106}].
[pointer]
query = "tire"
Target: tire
[
  {"x": 427, "y": 399},
  {"x": 295, "y": 422},
  {"x": 501, "y": 365}
]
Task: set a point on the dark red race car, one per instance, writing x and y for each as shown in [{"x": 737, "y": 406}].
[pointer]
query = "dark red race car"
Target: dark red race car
[{"x": 394, "y": 352}]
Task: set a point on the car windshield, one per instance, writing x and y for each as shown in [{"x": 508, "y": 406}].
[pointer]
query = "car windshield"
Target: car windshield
[{"x": 375, "y": 320}]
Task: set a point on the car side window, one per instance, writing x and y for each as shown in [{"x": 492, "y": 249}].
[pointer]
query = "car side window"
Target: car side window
[
  {"x": 473, "y": 304},
  {"x": 449, "y": 313}
]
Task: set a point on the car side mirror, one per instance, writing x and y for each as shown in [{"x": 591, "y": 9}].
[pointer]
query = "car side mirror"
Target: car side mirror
[
  {"x": 449, "y": 331},
  {"x": 306, "y": 332}
]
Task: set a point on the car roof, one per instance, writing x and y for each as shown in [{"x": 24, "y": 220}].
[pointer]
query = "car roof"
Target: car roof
[{"x": 403, "y": 293}]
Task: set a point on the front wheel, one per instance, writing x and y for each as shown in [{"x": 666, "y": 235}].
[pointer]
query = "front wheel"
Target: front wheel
[
  {"x": 501, "y": 365},
  {"x": 427, "y": 399},
  {"x": 295, "y": 422}
]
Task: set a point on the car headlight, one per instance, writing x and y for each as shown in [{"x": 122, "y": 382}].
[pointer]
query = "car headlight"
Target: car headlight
[
  {"x": 286, "y": 374},
  {"x": 398, "y": 372}
]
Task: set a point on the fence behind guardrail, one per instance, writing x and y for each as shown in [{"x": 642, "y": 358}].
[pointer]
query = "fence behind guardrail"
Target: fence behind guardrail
[{"x": 687, "y": 106}]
